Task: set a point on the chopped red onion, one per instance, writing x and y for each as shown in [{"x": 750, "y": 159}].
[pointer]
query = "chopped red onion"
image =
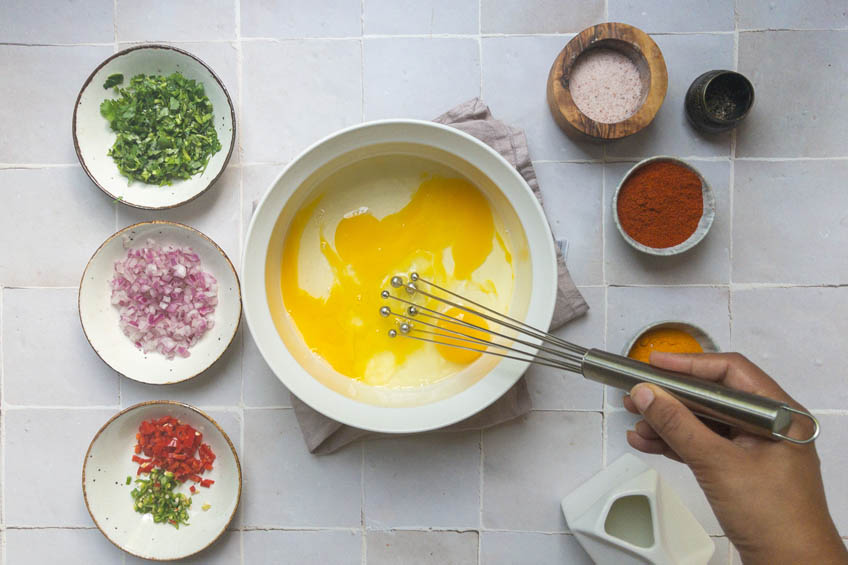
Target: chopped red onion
[{"x": 166, "y": 301}]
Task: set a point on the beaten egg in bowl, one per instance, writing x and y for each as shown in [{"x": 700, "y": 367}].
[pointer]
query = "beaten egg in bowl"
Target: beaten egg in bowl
[
  {"x": 359, "y": 230},
  {"x": 360, "y": 222}
]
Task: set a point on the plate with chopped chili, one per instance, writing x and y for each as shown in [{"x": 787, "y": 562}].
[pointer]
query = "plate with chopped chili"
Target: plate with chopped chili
[
  {"x": 154, "y": 127},
  {"x": 161, "y": 480}
]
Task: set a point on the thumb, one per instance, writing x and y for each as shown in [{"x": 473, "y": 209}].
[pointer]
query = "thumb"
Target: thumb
[{"x": 693, "y": 441}]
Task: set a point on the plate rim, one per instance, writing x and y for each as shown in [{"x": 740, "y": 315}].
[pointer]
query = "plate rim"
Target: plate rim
[
  {"x": 166, "y": 403},
  {"x": 190, "y": 230},
  {"x": 85, "y": 85}
]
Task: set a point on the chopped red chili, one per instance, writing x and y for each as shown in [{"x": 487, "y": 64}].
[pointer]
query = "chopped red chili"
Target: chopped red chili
[
  {"x": 207, "y": 483},
  {"x": 171, "y": 445}
]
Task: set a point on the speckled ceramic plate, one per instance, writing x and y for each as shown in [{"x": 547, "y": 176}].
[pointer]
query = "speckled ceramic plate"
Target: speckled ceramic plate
[
  {"x": 93, "y": 137},
  {"x": 100, "y": 319},
  {"x": 108, "y": 498}
]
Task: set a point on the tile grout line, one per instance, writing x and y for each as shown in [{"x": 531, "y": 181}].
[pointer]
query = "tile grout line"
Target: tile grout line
[
  {"x": 13, "y": 166},
  {"x": 413, "y": 35},
  {"x": 480, "y": 506},
  {"x": 720, "y": 285},
  {"x": 2, "y": 434},
  {"x": 228, "y": 408},
  {"x": 240, "y": 88},
  {"x": 352, "y": 530},
  {"x": 731, "y": 191},
  {"x": 607, "y": 160},
  {"x": 115, "y": 49},
  {"x": 362, "y": 63},
  {"x": 606, "y": 298},
  {"x": 480, "y": 64},
  {"x": 233, "y": 409},
  {"x": 362, "y": 60},
  {"x": 363, "y": 546}
]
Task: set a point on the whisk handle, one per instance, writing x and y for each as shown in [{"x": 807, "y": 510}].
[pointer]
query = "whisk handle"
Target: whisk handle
[{"x": 754, "y": 414}]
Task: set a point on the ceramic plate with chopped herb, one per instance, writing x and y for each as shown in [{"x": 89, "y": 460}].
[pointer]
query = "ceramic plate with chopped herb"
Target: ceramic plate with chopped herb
[
  {"x": 154, "y": 127},
  {"x": 139, "y": 511}
]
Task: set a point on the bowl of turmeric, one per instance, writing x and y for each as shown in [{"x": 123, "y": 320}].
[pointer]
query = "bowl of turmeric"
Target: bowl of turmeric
[
  {"x": 663, "y": 206},
  {"x": 669, "y": 336}
]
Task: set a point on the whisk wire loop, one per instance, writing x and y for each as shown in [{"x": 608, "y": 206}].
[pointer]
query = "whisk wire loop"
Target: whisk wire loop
[
  {"x": 444, "y": 317},
  {"x": 556, "y": 365},
  {"x": 530, "y": 358},
  {"x": 539, "y": 334},
  {"x": 494, "y": 316},
  {"x": 559, "y": 354}
]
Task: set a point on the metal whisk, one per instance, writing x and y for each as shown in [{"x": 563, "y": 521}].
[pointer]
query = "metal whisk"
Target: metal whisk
[{"x": 513, "y": 339}]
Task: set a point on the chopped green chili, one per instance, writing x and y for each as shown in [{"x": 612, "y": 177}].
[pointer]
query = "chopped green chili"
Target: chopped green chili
[
  {"x": 155, "y": 495},
  {"x": 165, "y": 128},
  {"x": 129, "y": 479}
]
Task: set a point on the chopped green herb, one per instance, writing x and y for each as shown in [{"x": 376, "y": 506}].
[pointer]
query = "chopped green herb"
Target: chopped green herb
[
  {"x": 155, "y": 495},
  {"x": 118, "y": 199},
  {"x": 165, "y": 128},
  {"x": 129, "y": 479},
  {"x": 113, "y": 80}
]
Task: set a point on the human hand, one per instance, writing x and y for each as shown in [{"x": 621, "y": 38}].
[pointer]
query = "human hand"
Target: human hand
[{"x": 768, "y": 495}]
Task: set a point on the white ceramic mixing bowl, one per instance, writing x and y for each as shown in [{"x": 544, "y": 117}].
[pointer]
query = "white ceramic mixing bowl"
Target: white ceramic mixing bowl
[{"x": 309, "y": 377}]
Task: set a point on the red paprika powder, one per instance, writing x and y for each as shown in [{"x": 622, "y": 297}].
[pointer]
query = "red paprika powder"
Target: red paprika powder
[{"x": 660, "y": 204}]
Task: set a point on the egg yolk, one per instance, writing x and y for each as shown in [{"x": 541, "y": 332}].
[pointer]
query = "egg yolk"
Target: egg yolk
[
  {"x": 455, "y": 354},
  {"x": 444, "y": 233}
]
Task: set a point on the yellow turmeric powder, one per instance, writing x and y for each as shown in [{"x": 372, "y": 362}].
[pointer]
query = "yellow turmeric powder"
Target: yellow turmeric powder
[{"x": 666, "y": 340}]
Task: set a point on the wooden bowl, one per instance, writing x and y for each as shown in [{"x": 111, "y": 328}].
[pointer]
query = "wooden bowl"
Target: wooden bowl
[{"x": 631, "y": 42}]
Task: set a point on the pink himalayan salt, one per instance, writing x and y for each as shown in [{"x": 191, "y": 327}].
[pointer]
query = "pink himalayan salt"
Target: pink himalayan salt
[{"x": 605, "y": 85}]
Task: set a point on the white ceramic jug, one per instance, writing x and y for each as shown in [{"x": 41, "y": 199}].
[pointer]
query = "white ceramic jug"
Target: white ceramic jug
[{"x": 626, "y": 514}]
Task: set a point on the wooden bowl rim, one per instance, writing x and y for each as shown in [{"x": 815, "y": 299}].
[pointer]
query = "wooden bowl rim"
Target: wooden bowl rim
[{"x": 657, "y": 70}]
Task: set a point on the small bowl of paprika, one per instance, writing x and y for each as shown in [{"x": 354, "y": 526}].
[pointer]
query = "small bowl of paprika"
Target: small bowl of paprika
[
  {"x": 663, "y": 206},
  {"x": 669, "y": 336}
]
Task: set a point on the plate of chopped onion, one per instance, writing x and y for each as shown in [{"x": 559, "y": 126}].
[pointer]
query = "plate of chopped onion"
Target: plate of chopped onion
[
  {"x": 159, "y": 302},
  {"x": 161, "y": 480}
]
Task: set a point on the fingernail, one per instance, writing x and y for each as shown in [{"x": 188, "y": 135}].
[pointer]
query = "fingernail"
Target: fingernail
[{"x": 642, "y": 396}]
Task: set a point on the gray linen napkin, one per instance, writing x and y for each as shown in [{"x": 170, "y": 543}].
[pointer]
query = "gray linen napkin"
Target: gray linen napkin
[{"x": 324, "y": 435}]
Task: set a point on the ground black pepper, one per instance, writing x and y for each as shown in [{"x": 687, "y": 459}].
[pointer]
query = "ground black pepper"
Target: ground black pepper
[{"x": 721, "y": 103}]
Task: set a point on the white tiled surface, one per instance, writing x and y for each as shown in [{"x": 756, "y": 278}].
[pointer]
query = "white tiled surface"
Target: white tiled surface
[{"x": 769, "y": 280}]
